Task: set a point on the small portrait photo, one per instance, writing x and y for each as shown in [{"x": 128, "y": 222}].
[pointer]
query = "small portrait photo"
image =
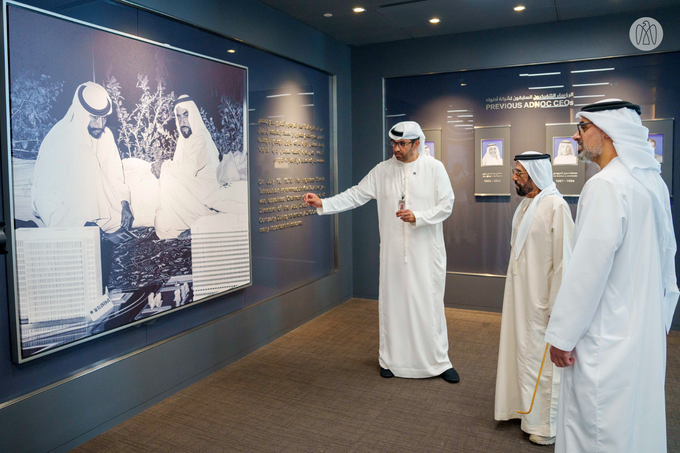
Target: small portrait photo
[
  {"x": 429, "y": 148},
  {"x": 492, "y": 153},
  {"x": 564, "y": 151},
  {"x": 656, "y": 141}
]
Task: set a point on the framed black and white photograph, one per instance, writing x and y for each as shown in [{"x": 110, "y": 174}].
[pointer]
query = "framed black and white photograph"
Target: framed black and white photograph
[{"x": 128, "y": 180}]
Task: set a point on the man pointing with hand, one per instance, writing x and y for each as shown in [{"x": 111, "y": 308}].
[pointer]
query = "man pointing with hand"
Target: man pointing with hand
[{"x": 414, "y": 197}]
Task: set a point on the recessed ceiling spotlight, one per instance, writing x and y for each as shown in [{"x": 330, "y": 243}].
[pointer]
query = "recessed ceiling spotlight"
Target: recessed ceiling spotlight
[
  {"x": 328, "y": 15},
  {"x": 463, "y": 84},
  {"x": 359, "y": 9},
  {"x": 434, "y": 20},
  {"x": 519, "y": 8},
  {"x": 231, "y": 51}
]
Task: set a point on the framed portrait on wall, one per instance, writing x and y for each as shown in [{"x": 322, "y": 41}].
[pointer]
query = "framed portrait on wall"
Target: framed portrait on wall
[
  {"x": 492, "y": 174},
  {"x": 656, "y": 141},
  {"x": 126, "y": 173},
  {"x": 660, "y": 138},
  {"x": 492, "y": 153},
  {"x": 569, "y": 173},
  {"x": 433, "y": 142},
  {"x": 565, "y": 151}
]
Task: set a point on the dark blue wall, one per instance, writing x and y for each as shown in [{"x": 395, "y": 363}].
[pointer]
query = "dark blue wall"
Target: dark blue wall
[
  {"x": 60, "y": 401},
  {"x": 544, "y": 43}
]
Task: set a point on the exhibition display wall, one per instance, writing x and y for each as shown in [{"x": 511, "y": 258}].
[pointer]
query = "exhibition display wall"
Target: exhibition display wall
[
  {"x": 373, "y": 66},
  {"x": 269, "y": 131},
  {"x": 489, "y": 116}
]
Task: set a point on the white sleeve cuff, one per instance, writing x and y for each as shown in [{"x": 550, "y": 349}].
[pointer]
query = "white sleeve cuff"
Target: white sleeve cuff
[{"x": 416, "y": 223}]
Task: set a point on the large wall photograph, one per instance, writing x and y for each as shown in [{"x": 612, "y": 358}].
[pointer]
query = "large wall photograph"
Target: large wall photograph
[{"x": 129, "y": 180}]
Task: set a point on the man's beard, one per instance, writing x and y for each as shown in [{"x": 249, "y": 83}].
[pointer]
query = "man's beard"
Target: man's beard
[
  {"x": 95, "y": 132},
  {"x": 587, "y": 154},
  {"x": 522, "y": 191},
  {"x": 186, "y": 131}
]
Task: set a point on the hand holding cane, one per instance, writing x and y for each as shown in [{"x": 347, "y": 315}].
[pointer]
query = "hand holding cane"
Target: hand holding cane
[{"x": 537, "y": 380}]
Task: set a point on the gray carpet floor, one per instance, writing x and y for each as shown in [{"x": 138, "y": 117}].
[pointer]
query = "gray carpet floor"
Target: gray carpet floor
[{"x": 318, "y": 389}]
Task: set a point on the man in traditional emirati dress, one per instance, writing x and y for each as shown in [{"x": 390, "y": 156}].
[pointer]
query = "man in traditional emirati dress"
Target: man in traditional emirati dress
[
  {"x": 619, "y": 292},
  {"x": 78, "y": 177},
  {"x": 189, "y": 178},
  {"x": 542, "y": 231},
  {"x": 414, "y": 197}
]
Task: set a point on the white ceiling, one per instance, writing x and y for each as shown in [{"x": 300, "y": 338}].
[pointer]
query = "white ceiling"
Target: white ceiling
[{"x": 392, "y": 20}]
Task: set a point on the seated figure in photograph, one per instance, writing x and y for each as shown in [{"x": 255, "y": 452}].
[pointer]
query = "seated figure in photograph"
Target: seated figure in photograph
[
  {"x": 78, "y": 176},
  {"x": 414, "y": 197},
  {"x": 542, "y": 230},
  {"x": 189, "y": 178}
]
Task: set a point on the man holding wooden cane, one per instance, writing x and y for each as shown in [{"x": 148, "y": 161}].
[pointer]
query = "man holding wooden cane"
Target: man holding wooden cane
[{"x": 542, "y": 229}]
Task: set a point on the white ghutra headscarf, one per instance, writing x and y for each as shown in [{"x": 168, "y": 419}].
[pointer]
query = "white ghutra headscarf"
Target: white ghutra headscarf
[
  {"x": 622, "y": 123},
  {"x": 540, "y": 171},
  {"x": 409, "y": 130}
]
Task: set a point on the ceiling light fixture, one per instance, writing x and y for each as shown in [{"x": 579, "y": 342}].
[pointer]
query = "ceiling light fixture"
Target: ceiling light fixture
[
  {"x": 328, "y": 15},
  {"x": 434, "y": 20},
  {"x": 359, "y": 9},
  {"x": 231, "y": 51},
  {"x": 519, "y": 8},
  {"x": 463, "y": 84}
]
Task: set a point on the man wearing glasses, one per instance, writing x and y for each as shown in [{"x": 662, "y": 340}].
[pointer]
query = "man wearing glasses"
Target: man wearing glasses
[
  {"x": 414, "y": 197},
  {"x": 541, "y": 239},
  {"x": 608, "y": 327}
]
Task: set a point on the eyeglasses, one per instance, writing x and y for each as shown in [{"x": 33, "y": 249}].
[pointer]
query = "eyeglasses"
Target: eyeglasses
[
  {"x": 580, "y": 128},
  {"x": 401, "y": 145},
  {"x": 518, "y": 172}
]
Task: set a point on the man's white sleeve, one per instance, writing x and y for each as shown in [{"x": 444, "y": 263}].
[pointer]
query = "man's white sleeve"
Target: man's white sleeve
[
  {"x": 444, "y": 196},
  {"x": 353, "y": 197},
  {"x": 112, "y": 167},
  {"x": 601, "y": 228}
]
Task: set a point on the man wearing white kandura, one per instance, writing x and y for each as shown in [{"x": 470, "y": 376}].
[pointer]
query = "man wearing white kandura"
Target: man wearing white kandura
[
  {"x": 611, "y": 316},
  {"x": 414, "y": 197},
  {"x": 542, "y": 229}
]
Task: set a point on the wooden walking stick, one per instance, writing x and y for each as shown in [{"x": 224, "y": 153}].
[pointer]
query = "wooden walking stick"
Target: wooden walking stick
[{"x": 537, "y": 380}]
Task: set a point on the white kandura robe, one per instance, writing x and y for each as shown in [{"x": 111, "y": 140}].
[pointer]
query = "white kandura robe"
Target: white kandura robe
[
  {"x": 413, "y": 335},
  {"x": 79, "y": 179},
  {"x": 609, "y": 311},
  {"x": 186, "y": 182},
  {"x": 530, "y": 290}
]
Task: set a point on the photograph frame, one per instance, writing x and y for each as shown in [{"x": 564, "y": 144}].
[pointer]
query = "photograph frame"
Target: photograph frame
[
  {"x": 664, "y": 127},
  {"x": 434, "y": 136},
  {"x": 557, "y": 146},
  {"x": 484, "y": 145},
  {"x": 569, "y": 184},
  {"x": 18, "y": 355},
  {"x": 492, "y": 180}
]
